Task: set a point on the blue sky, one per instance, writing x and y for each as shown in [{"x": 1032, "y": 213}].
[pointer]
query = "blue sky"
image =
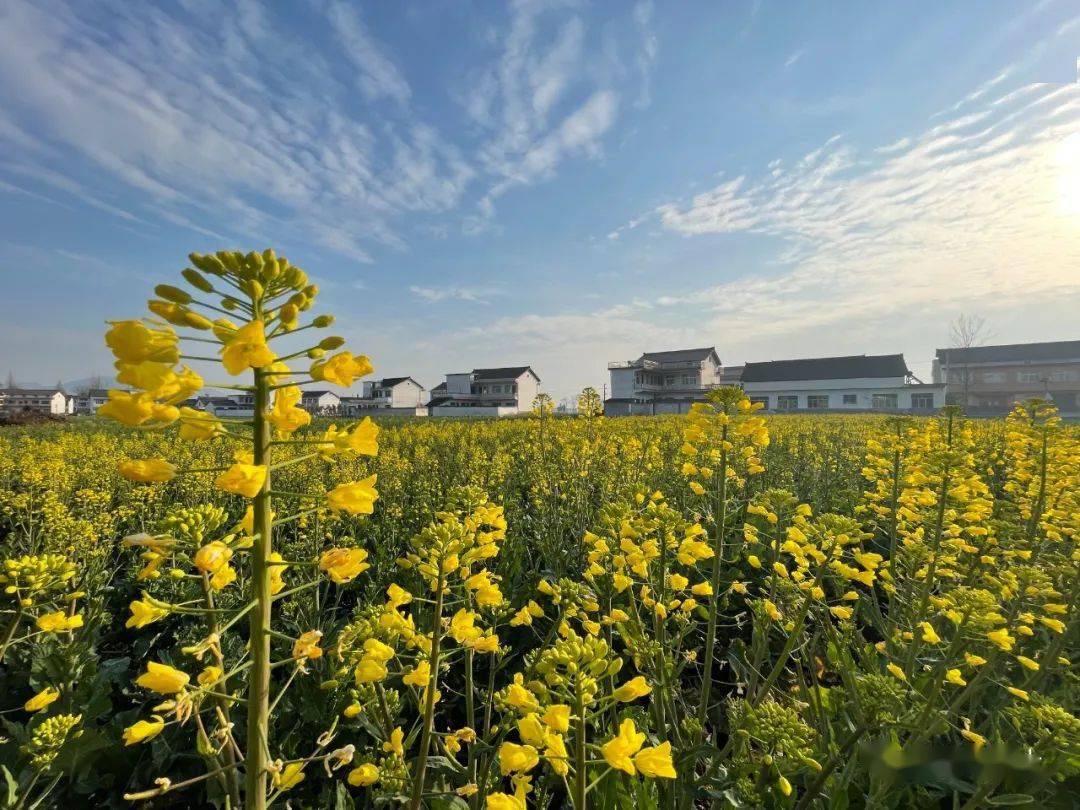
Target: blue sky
[{"x": 554, "y": 183}]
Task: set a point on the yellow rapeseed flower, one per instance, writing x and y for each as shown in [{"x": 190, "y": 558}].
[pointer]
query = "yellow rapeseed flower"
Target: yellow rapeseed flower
[
  {"x": 162, "y": 678},
  {"x": 143, "y": 730},
  {"x": 45, "y": 697},
  {"x": 242, "y": 479},
  {"x": 356, "y": 498},
  {"x": 147, "y": 471}
]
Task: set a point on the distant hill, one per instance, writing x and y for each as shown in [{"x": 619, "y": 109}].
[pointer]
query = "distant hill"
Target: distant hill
[{"x": 70, "y": 386}]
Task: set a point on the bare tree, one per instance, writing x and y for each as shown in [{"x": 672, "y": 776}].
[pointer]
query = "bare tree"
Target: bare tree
[{"x": 966, "y": 331}]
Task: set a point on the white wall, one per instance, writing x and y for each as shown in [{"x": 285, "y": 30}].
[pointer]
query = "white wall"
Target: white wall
[
  {"x": 853, "y": 384},
  {"x": 471, "y": 412},
  {"x": 863, "y": 396},
  {"x": 459, "y": 383},
  {"x": 528, "y": 387},
  {"x": 622, "y": 383},
  {"x": 407, "y": 394},
  {"x": 376, "y": 413},
  {"x": 710, "y": 372}
]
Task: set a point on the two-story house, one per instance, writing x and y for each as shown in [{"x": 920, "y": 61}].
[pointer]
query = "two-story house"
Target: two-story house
[
  {"x": 855, "y": 383},
  {"x": 390, "y": 396},
  {"x": 226, "y": 407},
  {"x": 36, "y": 400},
  {"x": 486, "y": 392},
  {"x": 990, "y": 379},
  {"x": 90, "y": 400},
  {"x": 320, "y": 402},
  {"x": 663, "y": 382}
]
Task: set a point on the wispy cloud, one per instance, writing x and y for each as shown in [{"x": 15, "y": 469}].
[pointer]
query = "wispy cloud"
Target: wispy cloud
[
  {"x": 545, "y": 99},
  {"x": 377, "y": 75},
  {"x": 220, "y": 122},
  {"x": 972, "y": 208},
  {"x": 477, "y": 295},
  {"x": 645, "y": 58},
  {"x": 794, "y": 57},
  {"x": 223, "y": 122}
]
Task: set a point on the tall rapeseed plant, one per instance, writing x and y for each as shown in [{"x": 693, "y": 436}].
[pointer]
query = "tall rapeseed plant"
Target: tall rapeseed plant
[{"x": 267, "y": 296}]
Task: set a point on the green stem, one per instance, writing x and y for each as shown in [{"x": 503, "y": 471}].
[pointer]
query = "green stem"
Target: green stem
[
  {"x": 718, "y": 552},
  {"x": 10, "y": 634},
  {"x": 258, "y": 703},
  {"x": 429, "y": 697},
  {"x": 580, "y": 773}
]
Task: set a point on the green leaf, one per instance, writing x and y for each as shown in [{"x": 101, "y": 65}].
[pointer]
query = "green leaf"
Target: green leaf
[
  {"x": 12, "y": 787},
  {"x": 1010, "y": 799}
]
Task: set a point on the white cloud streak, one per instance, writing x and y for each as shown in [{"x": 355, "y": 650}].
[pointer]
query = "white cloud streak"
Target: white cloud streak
[
  {"x": 433, "y": 295},
  {"x": 970, "y": 208}
]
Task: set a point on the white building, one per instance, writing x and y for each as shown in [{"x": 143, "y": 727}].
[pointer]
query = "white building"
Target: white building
[
  {"x": 320, "y": 402},
  {"x": 89, "y": 401},
  {"x": 486, "y": 392},
  {"x": 856, "y": 383},
  {"x": 665, "y": 382},
  {"x": 235, "y": 407},
  {"x": 390, "y": 396},
  {"x": 36, "y": 400}
]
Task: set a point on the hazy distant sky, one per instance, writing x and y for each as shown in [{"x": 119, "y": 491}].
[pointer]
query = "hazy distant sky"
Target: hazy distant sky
[{"x": 554, "y": 183}]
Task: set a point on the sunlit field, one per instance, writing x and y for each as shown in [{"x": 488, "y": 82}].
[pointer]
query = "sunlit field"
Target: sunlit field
[{"x": 722, "y": 609}]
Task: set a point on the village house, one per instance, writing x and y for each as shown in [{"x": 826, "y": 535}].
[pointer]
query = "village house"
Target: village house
[
  {"x": 486, "y": 392},
  {"x": 989, "y": 380},
  {"x": 88, "y": 402},
  {"x": 36, "y": 400},
  {"x": 390, "y": 396},
  {"x": 227, "y": 407},
  {"x": 856, "y": 383},
  {"x": 664, "y": 382},
  {"x": 321, "y": 402}
]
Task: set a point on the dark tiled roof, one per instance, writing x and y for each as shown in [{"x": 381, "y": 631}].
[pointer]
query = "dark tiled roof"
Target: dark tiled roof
[
  {"x": 38, "y": 392},
  {"x": 826, "y": 368},
  {"x": 1013, "y": 352},
  {"x": 509, "y": 373},
  {"x": 317, "y": 394},
  {"x": 390, "y": 382},
  {"x": 440, "y": 387},
  {"x": 679, "y": 355},
  {"x": 435, "y": 401}
]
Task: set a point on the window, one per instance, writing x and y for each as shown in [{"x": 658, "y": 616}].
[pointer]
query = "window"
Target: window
[
  {"x": 670, "y": 379},
  {"x": 885, "y": 401},
  {"x": 851, "y": 399},
  {"x": 817, "y": 401},
  {"x": 1027, "y": 376},
  {"x": 922, "y": 402},
  {"x": 993, "y": 376},
  {"x": 763, "y": 400},
  {"x": 1062, "y": 376},
  {"x": 787, "y": 403}
]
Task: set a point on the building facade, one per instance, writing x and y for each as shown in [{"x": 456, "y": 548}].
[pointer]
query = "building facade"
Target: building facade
[
  {"x": 36, "y": 400},
  {"x": 662, "y": 382},
  {"x": 234, "y": 407},
  {"x": 991, "y": 379},
  {"x": 856, "y": 383},
  {"x": 320, "y": 402},
  {"x": 390, "y": 396},
  {"x": 89, "y": 401},
  {"x": 486, "y": 392}
]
